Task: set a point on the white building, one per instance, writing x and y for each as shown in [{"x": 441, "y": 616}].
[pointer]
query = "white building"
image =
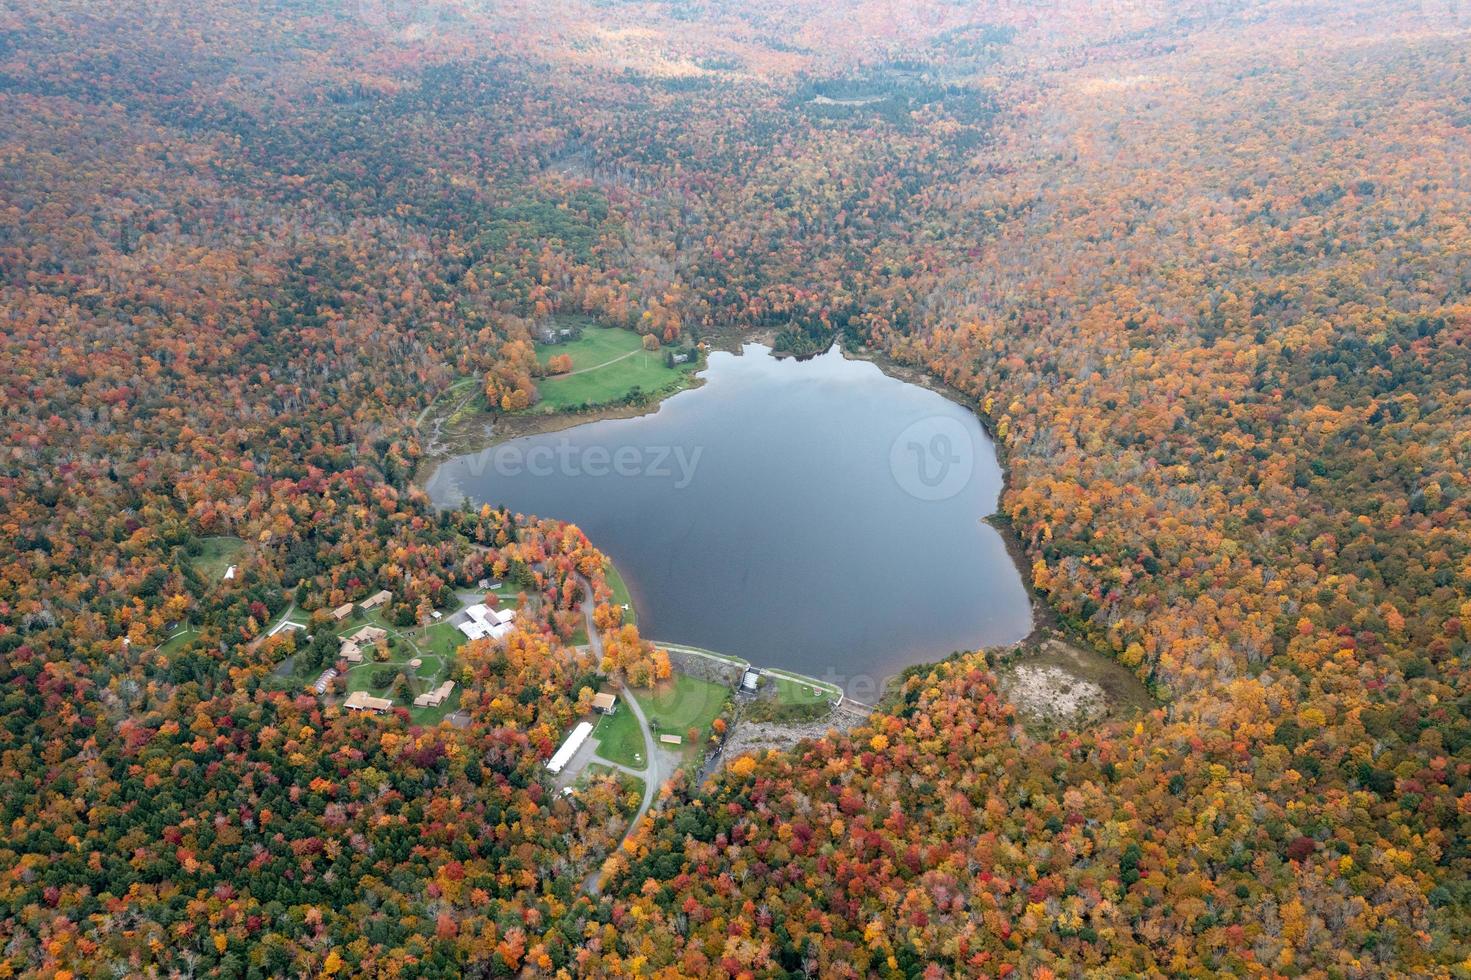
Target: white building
[
  {"x": 322, "y": 682},
  {"x": 481, "y": 621},
  {"x": 569, "y": 748}
]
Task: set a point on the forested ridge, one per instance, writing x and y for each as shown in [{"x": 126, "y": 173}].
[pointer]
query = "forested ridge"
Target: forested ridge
[{"x": 1201, "y": 267}]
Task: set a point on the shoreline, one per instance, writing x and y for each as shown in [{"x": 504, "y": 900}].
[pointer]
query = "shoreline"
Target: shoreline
[
  {"x": 499, "y": 429},
  {"x": 1045, "y": 621},
  {"x": 505, "y": 428},
  {"x": 1046, "y": 625}
]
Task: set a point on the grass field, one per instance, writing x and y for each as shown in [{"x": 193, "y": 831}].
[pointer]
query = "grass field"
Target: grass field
[
  {"x": 433, "y": 716},
  {"x": 620, "y": 740},
  {"x": 428, "y": 676},
  {"x": 682, "y": 703},
  {"x": 179, "y": 640},
  {"x": 621, "y": 595},
  {"x": 218, "y": 554},
  {"x": 595, "y": 346},
  {"x": 434, "y": 645},
  {"x": 791, "y": 699},
  {"x": 441, "y": 639},
  {"x": 612, "y": 363},
  {"x": 789, "y": 691}
]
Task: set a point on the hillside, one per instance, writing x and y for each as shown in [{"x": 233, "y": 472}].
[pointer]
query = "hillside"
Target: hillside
[{"x": 1204, "y": 270}]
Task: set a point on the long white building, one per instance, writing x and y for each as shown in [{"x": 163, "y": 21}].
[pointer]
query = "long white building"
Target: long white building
[{"x": 569, "y": 748}]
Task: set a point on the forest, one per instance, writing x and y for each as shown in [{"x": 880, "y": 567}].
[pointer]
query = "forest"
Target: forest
[{"x": 1203, "y": 268}]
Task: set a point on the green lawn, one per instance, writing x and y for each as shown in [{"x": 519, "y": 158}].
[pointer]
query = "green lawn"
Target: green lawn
[
  {"x": 597, "y": 345},
  {"x": 620, "y": 740},
  {"x": 441, "y": 638},
  {"x": 437, "y": 638},
  {"x": 434, "y": 646},
  {"x": 178, "y": 640},
  {"x": 433, "y": 716},
  {"x": 682, "y": 703},
  {"x": 621, "y": 596},
  {"x": 602, "y": 382},
  {"x": 789, "y": 691},
  {"x": 217, "y": 555},
  {"x": 429, "y": 676},
  {"x": 360, "y": 678}
]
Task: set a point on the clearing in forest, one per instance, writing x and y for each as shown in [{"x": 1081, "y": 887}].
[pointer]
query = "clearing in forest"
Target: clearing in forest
[{"x": 609, "y": 365}]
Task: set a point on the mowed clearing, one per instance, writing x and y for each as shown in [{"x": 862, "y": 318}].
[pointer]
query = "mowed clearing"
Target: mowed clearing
[
  {"x": 621, "y": 596},
  {"x": 608, "y": 365},
  {"x": 683, "y": 704},
  {"x": 216, "y": 555}
]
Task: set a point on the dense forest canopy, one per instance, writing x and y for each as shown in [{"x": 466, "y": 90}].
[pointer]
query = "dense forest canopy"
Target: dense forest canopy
[{"x": 1203, "y": 267}]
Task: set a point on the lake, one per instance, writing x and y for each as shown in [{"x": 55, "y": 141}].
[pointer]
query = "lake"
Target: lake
[{"x": 816, "y": 515}]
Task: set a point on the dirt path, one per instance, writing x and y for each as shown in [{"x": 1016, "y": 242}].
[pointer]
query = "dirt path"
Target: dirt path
[
  {"x": 430, "y": 407},
  {"x": 434, "y": 444},
  {"x": 620, "y": 357}
]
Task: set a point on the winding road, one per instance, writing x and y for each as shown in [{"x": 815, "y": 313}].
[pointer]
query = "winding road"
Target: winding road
[{"x": 652, "y": 778}]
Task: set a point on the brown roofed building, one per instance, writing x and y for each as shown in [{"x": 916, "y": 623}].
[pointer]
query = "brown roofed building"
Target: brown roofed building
[
  {"x": 363, "y": 701},
  {"x": 369, "y": 635},
  {"x": 436, "y": 697}
]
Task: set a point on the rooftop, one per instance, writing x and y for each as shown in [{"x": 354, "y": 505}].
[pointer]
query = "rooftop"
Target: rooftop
[{"x": 363, "y": 701}]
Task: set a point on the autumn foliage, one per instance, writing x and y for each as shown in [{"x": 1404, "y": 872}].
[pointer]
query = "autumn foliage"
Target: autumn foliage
[{"x": 1201, "y": 268}]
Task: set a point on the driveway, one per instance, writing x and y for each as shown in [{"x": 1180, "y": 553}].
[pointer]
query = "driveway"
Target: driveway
[{"x": 653, "y": 777}]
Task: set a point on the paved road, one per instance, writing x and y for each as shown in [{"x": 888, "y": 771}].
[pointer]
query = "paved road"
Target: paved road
[
  {"x": 638, "y": 774},
  {"x": 255, "y": 643},
  {"x": 652, "y": 777}
]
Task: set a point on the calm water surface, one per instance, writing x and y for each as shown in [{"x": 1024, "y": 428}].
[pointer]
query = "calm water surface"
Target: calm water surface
[{"x": 816, "y": 515}]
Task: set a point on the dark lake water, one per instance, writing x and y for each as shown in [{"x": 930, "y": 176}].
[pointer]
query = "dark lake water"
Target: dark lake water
[{"x": 815, "y": 515}]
